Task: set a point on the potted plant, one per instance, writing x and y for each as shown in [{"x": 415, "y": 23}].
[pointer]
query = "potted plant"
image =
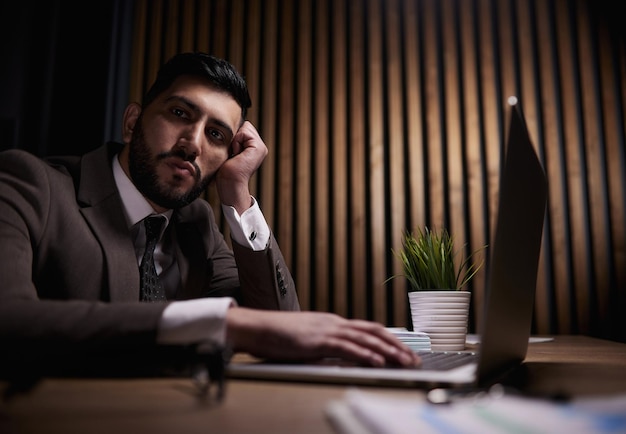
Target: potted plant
[{"x": 438, "y": 275}]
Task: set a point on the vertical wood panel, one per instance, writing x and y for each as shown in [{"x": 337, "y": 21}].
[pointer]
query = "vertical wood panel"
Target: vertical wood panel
[
  {"x": 236, "y": 46},
  {"x": 202, "y": 23},
  {"x": 303, "y": 200},
  {"x": 382, "y": 115},
  {"x": 268, "y": 115},
  {"x": 376, "y": 166},
  {"x": 323, "y": 227},
  {"x": 416, "y": 143},
  {"x": 396, "y": 289},
  {"x": 252, "y": 70},
  {"x": 153, "y": 57},
  {"x": 339, "y": 147},
  {"x": 413, "y": 119},
  {"x": 552, "y": 129},
  {"x": 355, "y": 163},
  {"x": 220, "y": 33},
  {"x": 573, "y": 163},
  {"x": 284, "y": 188},
  {"x": 170, "y": 46},
  {"x": 436, "y": 198},
  {"x": 474, "y": 149},
  {"x": 455, "y": 158},
  {"x": 488, "y": 60},
  {"x": 505, "y": 52},
  {"x": 188, "y": 26},
  {"x": 593, "y": 154}
]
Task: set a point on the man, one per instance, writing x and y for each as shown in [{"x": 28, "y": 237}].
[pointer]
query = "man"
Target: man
[{"x": 73, "y": 240}]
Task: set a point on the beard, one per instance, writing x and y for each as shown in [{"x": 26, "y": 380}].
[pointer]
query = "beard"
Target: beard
[{"x": 143, "y": 172}]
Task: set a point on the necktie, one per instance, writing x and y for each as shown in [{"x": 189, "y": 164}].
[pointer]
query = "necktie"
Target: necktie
[{"x": 151, "y": 288}]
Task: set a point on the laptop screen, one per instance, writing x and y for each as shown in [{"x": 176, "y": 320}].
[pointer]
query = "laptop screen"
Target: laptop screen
[{"x": 512, "y": 274}]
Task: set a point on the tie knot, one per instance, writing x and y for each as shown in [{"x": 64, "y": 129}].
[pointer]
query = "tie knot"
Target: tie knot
[{"x": 153, "y": 227}]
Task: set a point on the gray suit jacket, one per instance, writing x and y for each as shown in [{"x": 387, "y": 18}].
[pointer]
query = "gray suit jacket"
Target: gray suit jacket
[{"x": 68, "y": 271}]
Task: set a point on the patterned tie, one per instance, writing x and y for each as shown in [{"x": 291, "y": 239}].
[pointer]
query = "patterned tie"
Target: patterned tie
[{"x": 151, "y": 288}]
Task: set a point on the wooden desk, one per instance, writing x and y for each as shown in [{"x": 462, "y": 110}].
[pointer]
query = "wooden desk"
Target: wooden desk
[{"x": 569, "y": 364}]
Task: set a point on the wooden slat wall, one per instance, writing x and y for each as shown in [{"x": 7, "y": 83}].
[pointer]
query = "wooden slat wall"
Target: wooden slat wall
[{"x": 382, "y": 115}]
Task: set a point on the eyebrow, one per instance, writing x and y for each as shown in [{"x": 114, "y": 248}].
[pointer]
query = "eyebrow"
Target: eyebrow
[{"x": 195, "y": 108}]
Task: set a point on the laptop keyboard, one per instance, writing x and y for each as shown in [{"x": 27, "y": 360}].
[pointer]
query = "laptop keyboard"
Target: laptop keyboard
[{"x": 444, "y": 360}]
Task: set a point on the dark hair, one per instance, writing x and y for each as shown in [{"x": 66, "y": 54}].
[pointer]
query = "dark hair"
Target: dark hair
[{"x": 221, "y": 73}]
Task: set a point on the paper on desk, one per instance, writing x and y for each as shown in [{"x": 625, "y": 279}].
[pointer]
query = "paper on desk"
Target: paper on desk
[
  {"x": 473, "y": 339},
  {"x": 417, "y": 341},
  {"x": 362, "y": 412}
]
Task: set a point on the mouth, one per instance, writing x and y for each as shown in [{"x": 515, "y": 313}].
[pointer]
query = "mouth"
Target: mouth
[{"x": 181, "y": 168}]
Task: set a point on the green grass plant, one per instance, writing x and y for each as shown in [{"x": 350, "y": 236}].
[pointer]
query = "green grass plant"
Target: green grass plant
[{"x": 429, "y": 261}]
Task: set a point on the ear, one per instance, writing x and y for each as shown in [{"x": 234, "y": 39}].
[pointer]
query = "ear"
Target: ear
[{"x": 131, "y": 114}]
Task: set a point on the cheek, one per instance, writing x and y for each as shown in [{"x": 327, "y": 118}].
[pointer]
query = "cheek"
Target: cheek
[
  {"x": 215, "y": 157},
  {"x": 158, "y": 137}
]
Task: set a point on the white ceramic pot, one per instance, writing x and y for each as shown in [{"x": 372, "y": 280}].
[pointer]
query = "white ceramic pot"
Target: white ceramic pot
[{"x": 443, "y": 315}]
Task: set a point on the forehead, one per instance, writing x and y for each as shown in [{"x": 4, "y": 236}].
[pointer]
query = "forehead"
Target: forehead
[{"x": 202, "y": 97}]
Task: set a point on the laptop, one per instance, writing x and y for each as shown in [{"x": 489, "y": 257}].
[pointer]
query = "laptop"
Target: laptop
[{"x": 509, "y": 296}]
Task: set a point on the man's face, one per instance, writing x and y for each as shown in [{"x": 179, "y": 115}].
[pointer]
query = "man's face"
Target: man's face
[{"x": 180, "y": 140}]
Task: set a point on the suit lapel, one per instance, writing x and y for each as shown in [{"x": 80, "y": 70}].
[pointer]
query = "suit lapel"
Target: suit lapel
[{"x": 102, "y": 209}]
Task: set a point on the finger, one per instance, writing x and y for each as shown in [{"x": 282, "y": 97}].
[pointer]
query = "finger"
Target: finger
[
  {"x": 246, "y": 133},
  {"x": 351, "y": 351},
  {"x": 235, "y": 148},
  {"x": 377, "y": 341},
  {"x": 378, "y": 330}
]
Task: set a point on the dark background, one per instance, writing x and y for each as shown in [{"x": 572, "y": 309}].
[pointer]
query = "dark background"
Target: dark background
[{"x": 63, "y": 79}]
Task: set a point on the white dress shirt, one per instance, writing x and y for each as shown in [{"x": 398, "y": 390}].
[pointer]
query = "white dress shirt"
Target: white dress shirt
[{"x": 190, "y": 321}]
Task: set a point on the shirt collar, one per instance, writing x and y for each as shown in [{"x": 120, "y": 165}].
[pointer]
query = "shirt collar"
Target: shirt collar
[{"x": 136, "y": 207}]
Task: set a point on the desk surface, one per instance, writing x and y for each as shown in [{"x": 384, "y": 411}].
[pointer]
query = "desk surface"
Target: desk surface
[{"x": 568, "y": 365}]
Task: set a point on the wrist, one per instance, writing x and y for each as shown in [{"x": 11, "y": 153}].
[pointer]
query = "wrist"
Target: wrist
[{"x": 238, "y": 197}]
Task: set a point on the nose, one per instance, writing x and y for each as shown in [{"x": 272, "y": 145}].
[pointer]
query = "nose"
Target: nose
[{"x": 191, "y": 140}]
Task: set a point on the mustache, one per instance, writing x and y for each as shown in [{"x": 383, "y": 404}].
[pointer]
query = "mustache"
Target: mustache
[{"x": 180, "y": 153}]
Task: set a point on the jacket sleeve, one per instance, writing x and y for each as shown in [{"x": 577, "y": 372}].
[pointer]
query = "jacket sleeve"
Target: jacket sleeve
[{"x": 266, "y": 282}]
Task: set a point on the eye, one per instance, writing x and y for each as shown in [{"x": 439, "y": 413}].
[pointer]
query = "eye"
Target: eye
[
  {"x": 217, "y": 135},
  {"x": 179, "y": 112}
]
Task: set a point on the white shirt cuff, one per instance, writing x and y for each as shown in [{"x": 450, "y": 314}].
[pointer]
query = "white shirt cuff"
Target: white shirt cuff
[
  {"x": 249, "y": 229},
  {"x": 194, "y": 321}
]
